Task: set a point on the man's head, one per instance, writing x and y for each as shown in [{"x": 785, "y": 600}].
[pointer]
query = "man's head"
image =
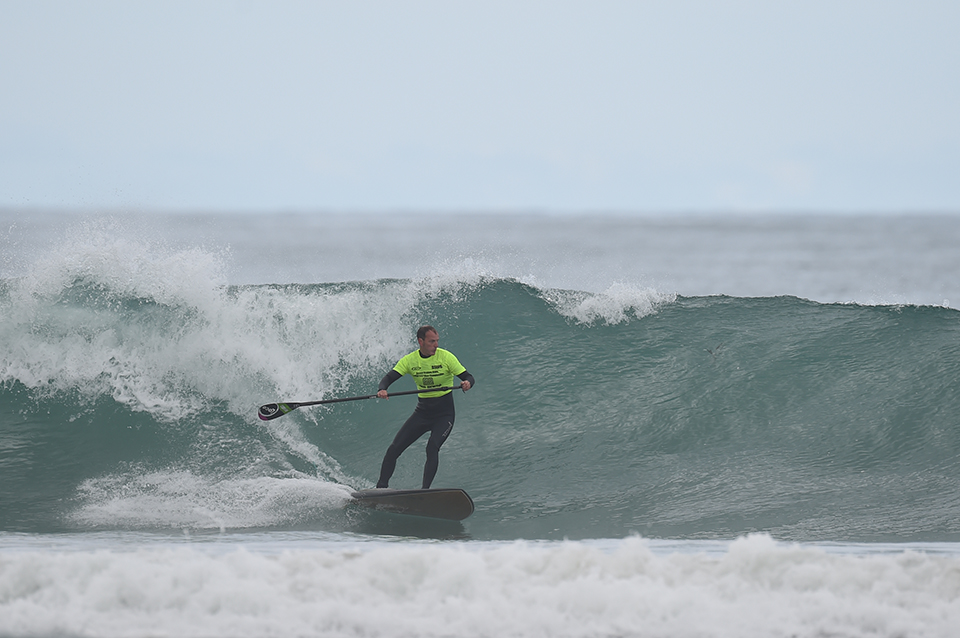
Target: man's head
[{"x": 428, "y": 340}]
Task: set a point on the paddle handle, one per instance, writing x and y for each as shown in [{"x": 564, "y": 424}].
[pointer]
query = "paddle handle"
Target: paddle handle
[
  {"x": 372, "y": 396},
  {"x": 275, "y": 410}
]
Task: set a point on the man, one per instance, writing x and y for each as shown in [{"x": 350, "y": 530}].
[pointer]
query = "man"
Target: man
[{"x": 431, "y": 367}]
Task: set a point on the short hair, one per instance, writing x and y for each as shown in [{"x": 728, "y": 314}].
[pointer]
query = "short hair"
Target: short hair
[{"x": 422, "y": 332}]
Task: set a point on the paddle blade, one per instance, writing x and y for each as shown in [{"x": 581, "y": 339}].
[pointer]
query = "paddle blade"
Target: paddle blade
[{"x": 274, "y": 410}]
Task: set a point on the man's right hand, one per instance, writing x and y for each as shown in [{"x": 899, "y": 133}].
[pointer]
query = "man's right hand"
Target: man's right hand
[{"x": 382, "y": 394}]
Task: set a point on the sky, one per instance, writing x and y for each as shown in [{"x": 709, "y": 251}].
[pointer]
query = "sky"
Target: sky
[{"x": 692, "y": 106}]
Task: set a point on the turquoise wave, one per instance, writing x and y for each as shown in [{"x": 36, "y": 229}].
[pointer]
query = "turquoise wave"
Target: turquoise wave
[{"x": 594, "y": 415}]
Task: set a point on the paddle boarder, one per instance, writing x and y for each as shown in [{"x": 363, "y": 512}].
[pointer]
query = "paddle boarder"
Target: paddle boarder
[{"x": 431, "y": 367}]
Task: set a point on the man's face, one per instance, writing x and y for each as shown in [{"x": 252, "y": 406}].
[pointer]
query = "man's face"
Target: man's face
[{"x": 429, "y": 343}]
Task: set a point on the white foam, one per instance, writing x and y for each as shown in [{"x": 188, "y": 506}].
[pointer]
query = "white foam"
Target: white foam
[
  {"x": 755, "y": 589},
  {"x": 617, "y": 304},
  {"x": 94, "y": 345},
  {"x": 184, "y": 500},
  {"x": 158, "y": 330}
]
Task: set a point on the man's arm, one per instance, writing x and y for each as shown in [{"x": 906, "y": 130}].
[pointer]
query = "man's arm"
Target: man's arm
[
  {"x": 385, "y": 382},
  {"x": 388, "y": 379},
  {"x": 467, "y": 380}
]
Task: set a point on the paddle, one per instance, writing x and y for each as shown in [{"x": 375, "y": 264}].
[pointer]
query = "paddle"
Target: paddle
[{"x": 275, "y": 410}]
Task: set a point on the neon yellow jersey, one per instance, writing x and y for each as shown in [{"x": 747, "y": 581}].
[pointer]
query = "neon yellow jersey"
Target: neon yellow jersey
[{"x": 433, "y": 372}]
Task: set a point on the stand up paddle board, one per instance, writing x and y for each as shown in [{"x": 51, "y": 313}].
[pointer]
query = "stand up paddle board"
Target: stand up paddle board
[{"x": 450, "y": 504}]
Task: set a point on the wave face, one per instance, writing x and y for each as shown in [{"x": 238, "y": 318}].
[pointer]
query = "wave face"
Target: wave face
[{"x": 129, "y": 385}]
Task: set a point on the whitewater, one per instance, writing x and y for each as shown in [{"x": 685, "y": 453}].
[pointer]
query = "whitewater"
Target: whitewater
[{"x": 739, "y": 425}]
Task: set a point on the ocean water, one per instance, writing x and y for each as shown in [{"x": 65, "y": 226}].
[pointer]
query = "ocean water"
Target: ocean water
[{"x": 682, "y": 425}]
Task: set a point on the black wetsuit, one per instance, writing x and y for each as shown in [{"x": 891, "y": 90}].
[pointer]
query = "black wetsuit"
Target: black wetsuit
[{"x": 434, "y": 415}]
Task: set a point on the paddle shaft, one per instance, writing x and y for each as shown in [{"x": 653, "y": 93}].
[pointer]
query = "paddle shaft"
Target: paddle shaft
[{"x": 275, "y": 410}]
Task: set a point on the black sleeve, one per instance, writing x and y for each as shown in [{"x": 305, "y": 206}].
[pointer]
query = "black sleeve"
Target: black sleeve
[
  {"x": 466, "y": 376},
  {"x": 388, "y": 378}
]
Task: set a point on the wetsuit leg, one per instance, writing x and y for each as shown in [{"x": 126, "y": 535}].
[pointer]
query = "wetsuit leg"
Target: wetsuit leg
[
  {"x": 434, "y": 415},
  {"x": 413, "y": 429},
  {"x": 441, "y": 430}
]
